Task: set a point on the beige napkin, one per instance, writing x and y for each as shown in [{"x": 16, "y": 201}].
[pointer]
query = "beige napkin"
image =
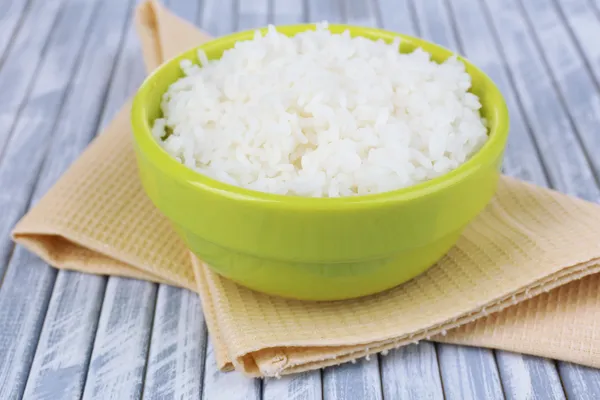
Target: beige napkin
[{"x": 529, "y": 242}]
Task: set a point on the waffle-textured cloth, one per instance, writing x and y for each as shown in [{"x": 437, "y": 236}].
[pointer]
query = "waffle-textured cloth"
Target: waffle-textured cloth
[{"x": 529, "y": 242}]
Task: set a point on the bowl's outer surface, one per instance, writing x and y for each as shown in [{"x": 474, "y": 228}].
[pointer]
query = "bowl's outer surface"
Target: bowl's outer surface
[{"x": 317, "y": 249}]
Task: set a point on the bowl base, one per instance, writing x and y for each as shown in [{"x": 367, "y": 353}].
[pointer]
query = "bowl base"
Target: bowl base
[{"x": 322, "y": 282}]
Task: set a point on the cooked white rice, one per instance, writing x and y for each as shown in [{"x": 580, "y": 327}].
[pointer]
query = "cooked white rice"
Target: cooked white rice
[{"x": 321, "y": 115}]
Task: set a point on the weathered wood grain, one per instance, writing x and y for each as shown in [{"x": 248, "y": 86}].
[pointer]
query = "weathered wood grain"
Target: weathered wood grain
[
  {"x": 252, "y": 14},
  {"x": 580, "y": 382},
  {"x": 583, "y": 20},
  {"x": 10, "y": 21},
  {"x": 571, "y": 75},
  {"x": 563, "y": 156},
  {"x": 285, "y": 12},
  {"x": 219, "y": 17},
  {"x": 66, "y": 340},
  {"x": 527, "y": 377},
  {"x": 361, "y": 12},
  {"x": 359, "y": 380},
  {"x": 398, "y": 16},
  {"x": 118, "y": 363},
  {"x": 28, "y": 283},
  {"x": 477, "y": 43},
  {"x": 134, "y": 296},
  {"x": 176, "y": 360},
  {"x": 23, "y": 59},
  {"x": 535, "y": 374},
  {"x": 325, "y": 10},
  {"x": 231, "y": 386},
  {"x": 469, "y": 373},
  {"x": 61, "y": 359},
  {"x": 304, "y": 386},
  {"x": 411, "y": 372},
  {"x": 579, "y": 94},
  {"x": 186, "y": 9}
]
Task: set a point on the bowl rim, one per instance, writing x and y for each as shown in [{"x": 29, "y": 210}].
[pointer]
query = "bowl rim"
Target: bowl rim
[{"x": 498, "y": 132}]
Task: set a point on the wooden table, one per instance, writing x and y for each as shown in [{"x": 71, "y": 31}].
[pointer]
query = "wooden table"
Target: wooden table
[{"x": 66, "y": 66}]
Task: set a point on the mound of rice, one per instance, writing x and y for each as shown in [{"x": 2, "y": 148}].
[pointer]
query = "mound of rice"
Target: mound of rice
[{"x": 322, "y": 115}]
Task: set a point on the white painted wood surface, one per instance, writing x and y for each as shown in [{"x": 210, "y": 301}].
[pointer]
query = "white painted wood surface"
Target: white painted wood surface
[
  {"x": 118, "y": 362},
  {"x": 358, "y": 380},
  {"x": 525, "y": 377},
  {"x": 231, "y": 386},
  {"x": 28, "y": 283},
  {"x": 11, "y": 21},
  {"x": 21, "y": 62},
  {"x": 175, "y": 362},
  {"x": 469, "y": 373},
  {"x": 411, "y": 372},
  {"x": 560, "y": 149},
  {"x": 580, "y": 382},
  {"x": 304, "y": 386},
  {"x": 69, "y": 335}
]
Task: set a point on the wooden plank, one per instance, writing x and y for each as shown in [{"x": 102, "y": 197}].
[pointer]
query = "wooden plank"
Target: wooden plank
[
  {"x": 118, "y": 363},
  {"x": 61, "y": 360},
  {"x": 583, "y": 22},
  {"x": 435, "y": 23},
  {"x": 325, "y": 10},
  {"x": 572, "y": 75},
  {"x": 303, "y": 386},
  {"x": 21, "y": 317},
  {"x": 478, "y": 44},
  {"x": 521, "y": 161},
  {"x": 15, "y": 77},
  {"x": 176, "y": 360},
  {"x": 579, "y": 94},
  {"x": 286, "y": 12},
  {"x": 580, "y": 382},
  {"x": 252, "y": 14},
  {"x": 398, "y": 16},
  {"x": 21, "y": 63},
  {"x": 219, "y": 17},
  {"x": 412, "y": 372},
  {"x": 11, "y": 21},
  {"x": 469, "y": 373},
  {"x": 528, "y": 377},
  {"x": 559, "y": 146},
  {"x": 186, "y": 9},
  {"x": 28, "y": 282},
  {"x": 128, "y": 76},
  {"x": 359, "y": 380},
  {"x": 62, "y": 355},
  {"x": 361, "y": 12},
  {"x": 227, "y": 385}
]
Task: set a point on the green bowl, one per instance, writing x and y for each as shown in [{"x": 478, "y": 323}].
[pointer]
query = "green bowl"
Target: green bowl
[{"x": 317, "y": 248}]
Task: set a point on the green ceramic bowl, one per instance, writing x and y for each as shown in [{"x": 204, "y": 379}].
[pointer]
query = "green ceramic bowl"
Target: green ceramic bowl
[{"x": 317, "y": 248}]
